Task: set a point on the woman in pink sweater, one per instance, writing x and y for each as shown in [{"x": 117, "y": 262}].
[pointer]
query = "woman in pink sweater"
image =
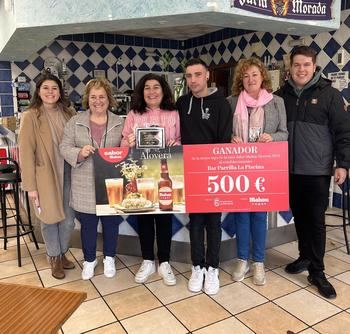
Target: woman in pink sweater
[{"x": 152, "y": 105}]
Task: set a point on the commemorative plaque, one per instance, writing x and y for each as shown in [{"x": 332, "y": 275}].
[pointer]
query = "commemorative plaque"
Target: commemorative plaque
[{"x": 152, "y": 137}]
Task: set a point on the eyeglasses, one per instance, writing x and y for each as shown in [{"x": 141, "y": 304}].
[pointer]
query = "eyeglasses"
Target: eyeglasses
[{"x": 97, "y": 98}]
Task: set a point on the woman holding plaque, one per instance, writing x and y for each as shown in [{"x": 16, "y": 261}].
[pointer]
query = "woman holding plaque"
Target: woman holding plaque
[
  {"x": 258, "y": 116},
  {"x": 45, "y": 175},
  {"x": 152, "y": 106},
  {"x": 95, "y": 128}
]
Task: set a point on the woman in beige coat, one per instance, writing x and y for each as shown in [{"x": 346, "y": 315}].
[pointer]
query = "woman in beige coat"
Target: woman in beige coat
[{"x": 45, "y": 175}]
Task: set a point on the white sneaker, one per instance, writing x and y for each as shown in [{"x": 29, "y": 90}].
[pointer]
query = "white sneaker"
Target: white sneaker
[
  {"x": 259, "y": 273},
  {"x": 109, "y": 266},
  {"x": 88, "y": 269},
  {"x": 211, "y": 283},
  {"x": 166, "y": 272},
  {"x": 147, "y": 268},
  {"x": 240, "y": 269},
  {"x": 195, "y": 283}
]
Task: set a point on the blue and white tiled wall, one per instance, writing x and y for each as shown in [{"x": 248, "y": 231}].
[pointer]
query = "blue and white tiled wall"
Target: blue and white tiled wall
[{"x": 119, "y": 55}]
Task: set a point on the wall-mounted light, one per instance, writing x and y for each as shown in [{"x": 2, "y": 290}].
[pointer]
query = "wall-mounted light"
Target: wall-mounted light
[
  {"x": 151, "y": 53},
  {"x": 212, "y": 5},
  {"x": 296, "y": 42}
]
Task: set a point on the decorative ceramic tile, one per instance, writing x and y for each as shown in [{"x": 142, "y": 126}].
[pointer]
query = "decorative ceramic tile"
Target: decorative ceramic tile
[
  {"x": 10, "y": 268},
  {"x": 158, "y": 321},
  {"x": 49, "y": 281},
  {"x": 80, "y": 285},
  {"x": 27, "y": 279},
  {"x": 345, "y": 277},
  {"x": 275, "y": 320},
  {"x": 198, "y": 311},
  {"x": 237, "y": 297},
  {"x": 89, "y": 315},
  {"x": 114, "y": 328},
  {"x": 230, "y": 325},
  {"x": 333, "y": 266},
  {"x": 131, "y": 302},
  {"x": 124, "y": 279},
  {"x": 276, "y": 286},
  {"x": 169, "y": 294},
  {"x": 299, "y": 279},
  {"x": 340, "y": 323},
  {"x": 295, "y": 303}
]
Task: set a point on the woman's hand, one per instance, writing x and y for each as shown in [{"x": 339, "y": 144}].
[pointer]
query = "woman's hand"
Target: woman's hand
[
  {"x": 86, "y": 151},
  {"x": 34, "y": 196},
  {"x": 236, "y": 140},
  {"x": 264, "y": 138},
  {"x": 131, "y": 139},
  {"x": 171, "y": 142}
]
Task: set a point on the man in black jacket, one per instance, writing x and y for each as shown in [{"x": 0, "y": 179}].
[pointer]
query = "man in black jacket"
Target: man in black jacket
[
  {"x": 319, "y": 131},
  {"x": 205, "y": 118}
]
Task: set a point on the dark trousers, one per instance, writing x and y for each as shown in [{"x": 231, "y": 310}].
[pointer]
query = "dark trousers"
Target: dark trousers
[
  {"x": 211, "y": 223},
  {"x": 88, "y": 232},
  {"x": 309, "y": 201},
  {"x": 159, "y": 226}
]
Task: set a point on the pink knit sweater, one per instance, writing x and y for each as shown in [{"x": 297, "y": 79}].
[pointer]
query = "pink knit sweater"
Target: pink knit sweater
[{"x": 169, "y": 120}]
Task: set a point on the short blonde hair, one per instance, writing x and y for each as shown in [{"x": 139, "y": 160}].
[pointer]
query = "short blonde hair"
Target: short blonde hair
[
  {"x": 98, "y": 83},
  {"x": 242, "y": 67}
]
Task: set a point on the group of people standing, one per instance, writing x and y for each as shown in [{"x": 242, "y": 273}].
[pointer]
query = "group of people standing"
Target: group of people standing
[{"x": 56, "y": 149}]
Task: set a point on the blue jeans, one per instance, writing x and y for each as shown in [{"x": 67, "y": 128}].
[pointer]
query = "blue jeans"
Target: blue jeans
[
  {"x": 57, "y": 236},
  {"x": 88, "y": 231},
  {"x": 251, "y": 225}
]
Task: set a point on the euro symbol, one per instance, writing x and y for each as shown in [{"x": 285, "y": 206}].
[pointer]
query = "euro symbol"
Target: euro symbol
[{"x": 259, "y": 184}]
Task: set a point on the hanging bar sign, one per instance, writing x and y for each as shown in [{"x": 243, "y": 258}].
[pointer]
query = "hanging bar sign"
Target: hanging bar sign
[{"x": 288, "y": 9}]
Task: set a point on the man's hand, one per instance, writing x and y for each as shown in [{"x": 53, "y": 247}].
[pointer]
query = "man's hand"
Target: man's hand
[{"x": 339, "y": 175}]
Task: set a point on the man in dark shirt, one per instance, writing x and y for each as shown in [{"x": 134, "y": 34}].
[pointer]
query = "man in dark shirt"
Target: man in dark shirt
[
  {"x": 205, "y": 118},
  {"x": 319, "y": 130}
]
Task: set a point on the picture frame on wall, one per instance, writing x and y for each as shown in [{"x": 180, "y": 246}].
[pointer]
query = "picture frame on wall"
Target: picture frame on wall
[{"x": 98, "y": 74}]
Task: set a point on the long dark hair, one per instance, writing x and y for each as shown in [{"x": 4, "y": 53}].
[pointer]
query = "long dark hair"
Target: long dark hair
[
  {"x": 138, "y": 103},
  {"x": 36, "y": 101}
]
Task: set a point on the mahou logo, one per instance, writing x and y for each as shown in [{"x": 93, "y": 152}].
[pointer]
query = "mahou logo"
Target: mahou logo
[
  {"x": 280, "y": 7},
  {"x": 115, "y": 154}
]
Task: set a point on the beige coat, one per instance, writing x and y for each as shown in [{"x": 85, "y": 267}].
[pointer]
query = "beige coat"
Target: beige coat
[{"x": 38, "y": 167}]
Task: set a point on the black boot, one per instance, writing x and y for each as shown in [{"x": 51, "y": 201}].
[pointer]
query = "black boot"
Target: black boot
[
  {"x": 298, "y": 266},
  {"x": 325, "y": 288}
]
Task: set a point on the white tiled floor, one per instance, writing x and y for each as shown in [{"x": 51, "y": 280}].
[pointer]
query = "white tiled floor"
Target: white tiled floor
[{"x": 286, "y": 304}]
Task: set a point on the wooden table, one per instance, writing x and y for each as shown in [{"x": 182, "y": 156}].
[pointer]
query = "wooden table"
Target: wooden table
[{"x": 28, "y": 309}]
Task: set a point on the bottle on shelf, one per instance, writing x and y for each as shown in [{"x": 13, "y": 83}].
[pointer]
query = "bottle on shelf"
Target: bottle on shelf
[{"x": 165, "y": 188}]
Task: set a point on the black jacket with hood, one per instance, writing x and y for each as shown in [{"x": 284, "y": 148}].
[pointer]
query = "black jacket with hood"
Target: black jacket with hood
[
  {"x": 205, "y": 120},
  {"x": 318, "y": 126}
]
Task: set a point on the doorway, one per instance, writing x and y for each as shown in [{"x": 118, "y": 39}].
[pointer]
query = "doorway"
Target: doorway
[{"x": 221, "y": 76}]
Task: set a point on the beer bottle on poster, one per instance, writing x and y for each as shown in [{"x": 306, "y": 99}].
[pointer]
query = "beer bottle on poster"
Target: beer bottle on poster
[{"x": 165, "y": 188}]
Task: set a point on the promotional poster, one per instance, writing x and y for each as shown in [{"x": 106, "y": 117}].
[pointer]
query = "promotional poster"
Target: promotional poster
[
  {"x": 139, "y": 181},
  {"x": 192, "y": 178}
]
